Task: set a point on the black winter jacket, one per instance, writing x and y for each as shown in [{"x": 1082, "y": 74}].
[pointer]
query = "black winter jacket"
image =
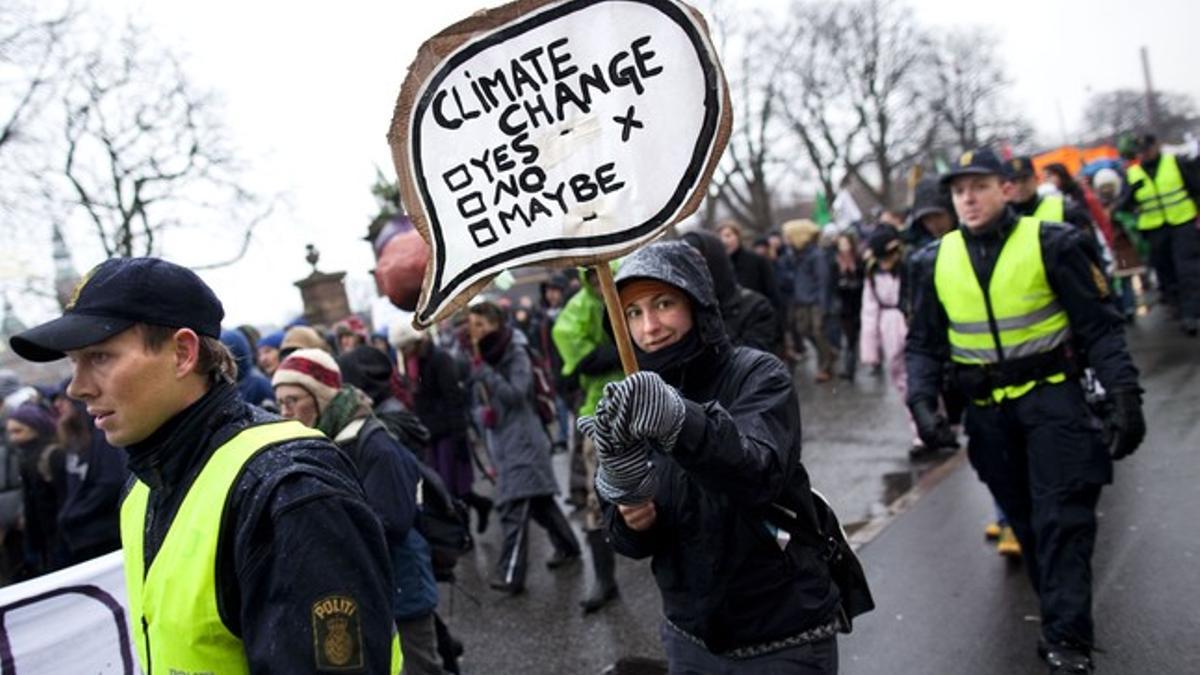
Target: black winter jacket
[
  {"x": 723, "y": 577},
  {"x": 441, "y": 399},
  {"x": 1073, "y": 271},
  {"x": 296, "y": 529}
]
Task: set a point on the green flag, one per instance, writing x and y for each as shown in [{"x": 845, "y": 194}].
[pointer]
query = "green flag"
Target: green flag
[{"x": 821, "y": 210}]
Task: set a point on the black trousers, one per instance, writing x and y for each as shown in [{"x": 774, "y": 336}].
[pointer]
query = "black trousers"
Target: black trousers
[
  {"x": 1175, "y": 256},
  {"x": 514, "y": 520},
  {"x": 1043, "y": 460}
]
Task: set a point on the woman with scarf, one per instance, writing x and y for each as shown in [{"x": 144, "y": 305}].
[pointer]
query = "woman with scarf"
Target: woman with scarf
[
  {"x": 847, "y": 276},
  {"x": 519, "y": 444},
  {"x": 309, "y": 388},
  {"x": 694, "y": 452}
]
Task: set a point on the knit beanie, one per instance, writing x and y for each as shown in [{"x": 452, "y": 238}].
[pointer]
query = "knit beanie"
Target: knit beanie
[
  {"x": 37, "y": 417},
  {"x": 315, "y": 371},
  {"x": 368, "y": 369},
  {"x": 302, "y": 337}
]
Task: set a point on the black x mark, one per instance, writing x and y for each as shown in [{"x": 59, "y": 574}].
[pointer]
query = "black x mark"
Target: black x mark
[{"x": 628, "y": 123}]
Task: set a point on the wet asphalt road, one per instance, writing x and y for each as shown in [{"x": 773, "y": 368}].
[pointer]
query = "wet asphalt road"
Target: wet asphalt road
[{"x": 947, "y": 602}]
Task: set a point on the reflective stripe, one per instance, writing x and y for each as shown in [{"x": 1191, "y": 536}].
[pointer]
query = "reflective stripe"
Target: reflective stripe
[
  {"x": 1028, "y": 348},
  {"x": 1038, "y": 345},
  {"x": 1011, "y": 323}
]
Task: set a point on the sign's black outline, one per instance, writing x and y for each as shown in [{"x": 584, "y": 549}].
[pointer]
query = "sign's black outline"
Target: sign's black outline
[{"x": 708, "y": 132}]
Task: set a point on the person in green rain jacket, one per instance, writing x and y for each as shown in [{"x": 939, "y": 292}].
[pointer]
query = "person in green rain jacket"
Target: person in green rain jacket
[{"x": 589, "y": 353}]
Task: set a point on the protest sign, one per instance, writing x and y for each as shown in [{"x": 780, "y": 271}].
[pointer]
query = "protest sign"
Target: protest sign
[
  {"x": 72, "y": 621},
  {"x": 554, "y": 132}
]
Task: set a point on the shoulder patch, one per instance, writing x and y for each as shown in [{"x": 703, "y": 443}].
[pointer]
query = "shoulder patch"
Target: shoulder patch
[
  {"x": 337, "y": 634},
  {"x": 1098, "y": 278}
]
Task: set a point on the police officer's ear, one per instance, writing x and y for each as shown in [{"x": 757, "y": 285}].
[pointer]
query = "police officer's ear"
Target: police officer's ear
[{"x": 185, "y": 348}]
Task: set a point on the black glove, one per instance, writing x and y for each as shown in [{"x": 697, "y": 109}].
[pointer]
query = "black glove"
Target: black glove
[
  {"x": 1126, "y": 423},
  {"x": 932, "y": 426},
  {"x": 601, "y": 360}
]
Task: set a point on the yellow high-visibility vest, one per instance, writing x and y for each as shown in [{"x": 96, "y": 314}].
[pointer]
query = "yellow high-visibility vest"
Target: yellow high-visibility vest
[
  {"x": 1162, "y": 199},
  {"x": 1028, "y": 317},
  {"x": 1051, "y": 209},
  {"x": 176, "y": 622}
]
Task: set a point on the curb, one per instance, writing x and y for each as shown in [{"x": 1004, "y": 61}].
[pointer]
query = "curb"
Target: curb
[{"x": 866, "y": 533}]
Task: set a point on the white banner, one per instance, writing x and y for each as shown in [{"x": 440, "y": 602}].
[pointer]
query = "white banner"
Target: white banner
[{"x": 72, "y": 621}]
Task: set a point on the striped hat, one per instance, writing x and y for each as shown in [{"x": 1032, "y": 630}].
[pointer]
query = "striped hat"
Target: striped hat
[{"x": 315, "y": 371}]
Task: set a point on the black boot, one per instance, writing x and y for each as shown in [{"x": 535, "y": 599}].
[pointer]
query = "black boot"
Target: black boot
[
  {"x": 483, "y": 509},
  {"x": 604, "y": 563},
  {"x": 449, "y": 648}
]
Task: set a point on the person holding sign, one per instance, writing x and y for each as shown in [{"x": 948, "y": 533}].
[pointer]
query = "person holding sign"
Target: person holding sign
[{"x": 692, "y": 451}]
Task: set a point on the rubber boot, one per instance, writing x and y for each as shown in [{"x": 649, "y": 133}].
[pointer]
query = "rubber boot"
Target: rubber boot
[{"x": 604, "y": 563}]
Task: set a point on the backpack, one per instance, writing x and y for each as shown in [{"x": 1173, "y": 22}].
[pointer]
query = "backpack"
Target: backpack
[
  {"x": 543, "y": 387},
  {"x": 442, "y": 519},
  {"x": 829, "y": 542}
]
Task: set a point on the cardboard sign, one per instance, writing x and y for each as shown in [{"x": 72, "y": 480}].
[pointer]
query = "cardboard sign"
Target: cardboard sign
[{"x": 554, "y": 132}]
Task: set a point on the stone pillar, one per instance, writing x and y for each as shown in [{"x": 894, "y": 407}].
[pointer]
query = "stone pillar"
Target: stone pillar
[{"x": 324, "y": 297}]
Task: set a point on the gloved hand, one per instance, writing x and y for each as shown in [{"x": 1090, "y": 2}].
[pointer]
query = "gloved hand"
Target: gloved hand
[
  {"x": 602, "y": 359},
  {"x": 1126, "y": 422},
  {"x": 932, "y": 426},
  {"x": 624, "y": 473},
  {"x": 642, "y": 407}
]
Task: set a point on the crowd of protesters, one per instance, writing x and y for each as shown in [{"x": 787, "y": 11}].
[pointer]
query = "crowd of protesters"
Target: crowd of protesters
[{"x": 459, "y": 405}]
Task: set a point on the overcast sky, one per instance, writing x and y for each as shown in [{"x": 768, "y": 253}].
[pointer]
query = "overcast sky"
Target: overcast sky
[{"x": 308, "y": 91}]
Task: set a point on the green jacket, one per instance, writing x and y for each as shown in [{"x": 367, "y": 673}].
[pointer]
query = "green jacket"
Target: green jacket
[{"x": 578, "y": 330}]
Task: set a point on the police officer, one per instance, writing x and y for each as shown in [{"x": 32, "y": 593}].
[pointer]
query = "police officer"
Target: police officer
[
  {"x": 1017, "y": 305},
  {"x": 248, "y": 545},
  {"x": 1164, "y": 189},
  {"x": 1050, "y": 208}
]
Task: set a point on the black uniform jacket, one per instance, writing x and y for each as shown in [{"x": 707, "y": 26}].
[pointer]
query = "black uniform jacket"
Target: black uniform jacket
[
  {"x": 296, "y": 531},
  {"x": 1075, "y": 276}
]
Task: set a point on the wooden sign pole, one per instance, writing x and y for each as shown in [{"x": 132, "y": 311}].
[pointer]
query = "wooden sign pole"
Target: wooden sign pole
[{"x": 616, "y": 317}]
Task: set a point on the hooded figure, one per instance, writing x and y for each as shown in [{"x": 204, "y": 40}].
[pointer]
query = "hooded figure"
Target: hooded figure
[
  {"x": 750, "y": 319},
  {"x": 692, "y": 452},
  {"x": 810, "y": 290},
  {"x": 932, "y": 214},
  {"x": 254, "y": 387}
]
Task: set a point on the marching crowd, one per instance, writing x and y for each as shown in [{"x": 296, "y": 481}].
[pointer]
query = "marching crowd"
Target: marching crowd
[{"x": 693, "y": 462}]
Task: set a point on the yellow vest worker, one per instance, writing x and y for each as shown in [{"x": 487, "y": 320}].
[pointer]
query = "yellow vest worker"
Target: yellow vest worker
[
  {"x": 1005, "y": 302},
  {"x": 173, "y": 606},
  {"x": 1163, "y": 198},
  {"x": 249, "y": 544}
]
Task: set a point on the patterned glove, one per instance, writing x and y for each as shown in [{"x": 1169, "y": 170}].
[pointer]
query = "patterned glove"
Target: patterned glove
[
  {"x": 642, "y": 407},
  {"x": 624, "y": 473}
]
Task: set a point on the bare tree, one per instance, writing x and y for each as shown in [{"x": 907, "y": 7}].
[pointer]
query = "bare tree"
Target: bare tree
[
  {"x": 1112, "y": 113},
  {"x": 882, "y": 55},
  {"x": 967, "y": 86},
  {"x": 817, "y": 106},
  {"x": 144, "y": 152},
  {"x": 30, "y": 46},
  {"x": 757, "y": 157}
]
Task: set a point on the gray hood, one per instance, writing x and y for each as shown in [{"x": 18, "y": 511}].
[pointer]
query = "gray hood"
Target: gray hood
[{"x": 682, "y": 266}]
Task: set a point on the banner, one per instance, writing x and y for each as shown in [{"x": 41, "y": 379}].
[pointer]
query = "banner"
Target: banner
[
  {"x": 554, "y": 131},
  {"x": 71, "y": 621}
]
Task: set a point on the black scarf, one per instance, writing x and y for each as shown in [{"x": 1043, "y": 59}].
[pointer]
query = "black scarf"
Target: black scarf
[
  {"x": 493, "y": 345},
  {"x": 670, "y": 361}
]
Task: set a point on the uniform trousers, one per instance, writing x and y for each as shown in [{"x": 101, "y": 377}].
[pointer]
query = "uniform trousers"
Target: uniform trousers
[{"x": 1043, "y": 459}]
